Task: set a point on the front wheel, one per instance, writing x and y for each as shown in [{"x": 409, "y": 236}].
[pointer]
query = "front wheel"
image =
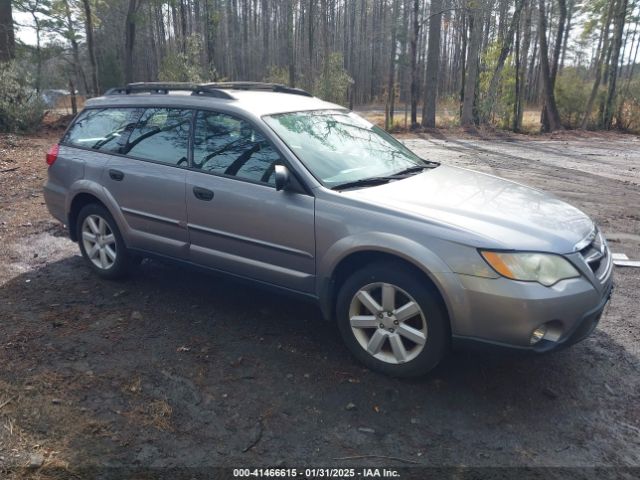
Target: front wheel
[
  {"x": 392, "y": 320},
  {"x": 101, "y": 244}
]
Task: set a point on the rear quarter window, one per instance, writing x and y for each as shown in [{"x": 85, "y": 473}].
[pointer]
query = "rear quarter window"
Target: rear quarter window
[{"x": 103, "y": 129}]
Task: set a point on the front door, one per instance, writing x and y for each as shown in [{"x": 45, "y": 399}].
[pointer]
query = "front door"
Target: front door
[{"x": 237, "y": 221}]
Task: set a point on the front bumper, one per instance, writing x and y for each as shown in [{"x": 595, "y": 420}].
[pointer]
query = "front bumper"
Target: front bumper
[
  {"x": 504, "y": 313},
  {"x": 584, "y": 327},
  {"x": 579, "y": 330}
]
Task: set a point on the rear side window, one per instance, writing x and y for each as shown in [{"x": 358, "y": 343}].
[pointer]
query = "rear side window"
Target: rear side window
[
  {"x": 104, "y": 129},
  {"x": 227, "y": 145},
  {"x": 161, "y": 135}
]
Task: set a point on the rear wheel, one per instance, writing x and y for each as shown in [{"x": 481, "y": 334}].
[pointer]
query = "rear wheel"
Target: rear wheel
[
  {"x": 392, "y": 320},
  {"x": 100, "y": 242}
]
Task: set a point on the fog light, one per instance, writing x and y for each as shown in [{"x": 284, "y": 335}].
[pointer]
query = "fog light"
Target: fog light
[{"x": 538, "y": 334}]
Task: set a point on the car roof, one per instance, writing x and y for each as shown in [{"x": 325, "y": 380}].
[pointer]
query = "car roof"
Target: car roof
[{"x": 256, "y": 102}]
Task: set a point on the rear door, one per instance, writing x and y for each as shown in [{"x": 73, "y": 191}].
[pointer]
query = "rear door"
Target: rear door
[
  {"x": 147, "y": 180},
  {"x": 237, "y": 220}
]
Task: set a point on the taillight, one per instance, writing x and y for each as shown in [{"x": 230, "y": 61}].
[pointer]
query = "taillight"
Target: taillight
[{"x": 52, "y": 155}]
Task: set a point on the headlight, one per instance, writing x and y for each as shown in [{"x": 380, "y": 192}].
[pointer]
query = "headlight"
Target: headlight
[{"x": 543, "y": 268}]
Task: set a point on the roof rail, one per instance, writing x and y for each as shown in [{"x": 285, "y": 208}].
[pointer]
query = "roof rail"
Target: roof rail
[
  {"x": 166, "y": 87},
  {"x": 271, "y": 87},
  {"x": 207, "y": 89}
]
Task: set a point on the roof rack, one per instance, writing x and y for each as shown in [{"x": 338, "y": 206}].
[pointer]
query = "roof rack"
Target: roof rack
[
  {"x": 166, "y": 87},
  {"x": 270, "y": 87},
  {"x": 205, "y": 89}
]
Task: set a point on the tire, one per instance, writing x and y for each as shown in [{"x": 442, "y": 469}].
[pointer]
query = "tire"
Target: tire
[
  {"x": 408, "y": 343},
  {"x": 101, "y": 243}
]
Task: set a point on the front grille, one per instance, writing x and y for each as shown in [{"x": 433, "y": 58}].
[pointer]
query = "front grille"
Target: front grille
[{"x": 596, "y": 256}]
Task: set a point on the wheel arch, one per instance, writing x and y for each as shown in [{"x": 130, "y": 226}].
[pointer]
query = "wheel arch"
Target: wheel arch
[
  {"x": 357, "y": 259},
  {"x": 79, "y": 201},
  {"x": 84, "y": 192}
]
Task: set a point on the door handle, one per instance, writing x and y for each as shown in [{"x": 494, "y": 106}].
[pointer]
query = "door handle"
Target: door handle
[
  {"x": 116, "y": 175},
  {"x": 202, "y": 193}
]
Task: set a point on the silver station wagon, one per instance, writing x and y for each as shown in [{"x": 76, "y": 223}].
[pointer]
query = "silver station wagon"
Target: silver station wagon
[{"x": 268, "y": 183}]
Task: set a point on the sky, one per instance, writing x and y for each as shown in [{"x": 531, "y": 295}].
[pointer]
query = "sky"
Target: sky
[
  {"x": 25, "y": 31},
  {"x": 25, "y": 34}
]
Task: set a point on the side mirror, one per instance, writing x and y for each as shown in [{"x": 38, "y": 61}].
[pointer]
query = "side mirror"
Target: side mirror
[{"x": 282, "y": 177}]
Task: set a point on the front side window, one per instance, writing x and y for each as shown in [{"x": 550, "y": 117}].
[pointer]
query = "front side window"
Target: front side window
[
  {"x": 161, "y": 135},
  {"x": 104, "y": 129},
  {"x": 226, "y": 145},
  {"x": 339, "y": 147}
]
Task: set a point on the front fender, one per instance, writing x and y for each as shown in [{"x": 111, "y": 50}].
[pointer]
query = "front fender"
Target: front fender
[{"x": 419, "y": 255}]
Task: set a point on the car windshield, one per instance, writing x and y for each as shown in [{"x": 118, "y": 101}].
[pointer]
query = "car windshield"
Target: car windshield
[{"x": 340, "y": 147}]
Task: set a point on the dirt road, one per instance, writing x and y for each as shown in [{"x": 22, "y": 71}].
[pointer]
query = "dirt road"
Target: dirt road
[{"x": 176, "y": 368}]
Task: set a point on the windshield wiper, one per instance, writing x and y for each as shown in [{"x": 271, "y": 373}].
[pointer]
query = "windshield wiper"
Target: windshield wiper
[
  {"x": 409, "y": 171},
  {"x": 363, "y": 182},
  {"x": 415, "y": 169}
]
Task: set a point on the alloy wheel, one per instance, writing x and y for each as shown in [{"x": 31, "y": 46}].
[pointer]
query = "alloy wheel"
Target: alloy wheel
[
  {"x": 388, "y": 323},
  {"x": 99, "y": 242}
]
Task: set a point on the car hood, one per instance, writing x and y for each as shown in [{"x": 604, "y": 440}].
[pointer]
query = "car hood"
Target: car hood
[{"x": 507, "y": 214}]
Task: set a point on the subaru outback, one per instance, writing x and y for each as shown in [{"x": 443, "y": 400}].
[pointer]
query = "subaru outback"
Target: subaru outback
[{"x": 268, "y": 183}]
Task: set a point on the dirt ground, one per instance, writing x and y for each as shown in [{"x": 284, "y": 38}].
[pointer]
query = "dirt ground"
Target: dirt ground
[{"x": 172, "y": 368}]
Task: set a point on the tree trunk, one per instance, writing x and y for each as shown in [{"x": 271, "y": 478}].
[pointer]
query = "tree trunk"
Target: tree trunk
[
  {"x": 310, "y": 40},
  {"x": 615, "y": 57},
  {"x": 290, "y": 53},
  {"x": 502, "y": 57},
  {"x": 463, "y": 60},
  {"x": 36, "y": 22},
  {"x": 413, "y": 52},
  {"x": 75, "y": 48},
  {"x": 265, "y": 33},
  {"x": 7, "y": 39},
  {"x": 533, "y": 71},
  {"x": 130, "y": 38},
  {"x": 503, "y": 9},
  {"x": 567, "y": 33},
  {"x": 325, "y": 41},
  {"x": 598, "y": 70},
  {"x": 467, "y": 117},
  {"x": 633, "y": 58},
  {"x": 517, "y": 87},
  {"x": 562, "y": 6},
  {"x": 522, "y": 74},
  {"x": 183, "y": 27},
  {"x": 91, "y": 47},
  {"x": 404, "y": 73},
  {"x": 557, "y": 46},
  {"x": 552, "y": 115},
  {"x": 74, "y": 101},
  {"x": 433, "y": 66},
  {"x": 391, "y": 90}
]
